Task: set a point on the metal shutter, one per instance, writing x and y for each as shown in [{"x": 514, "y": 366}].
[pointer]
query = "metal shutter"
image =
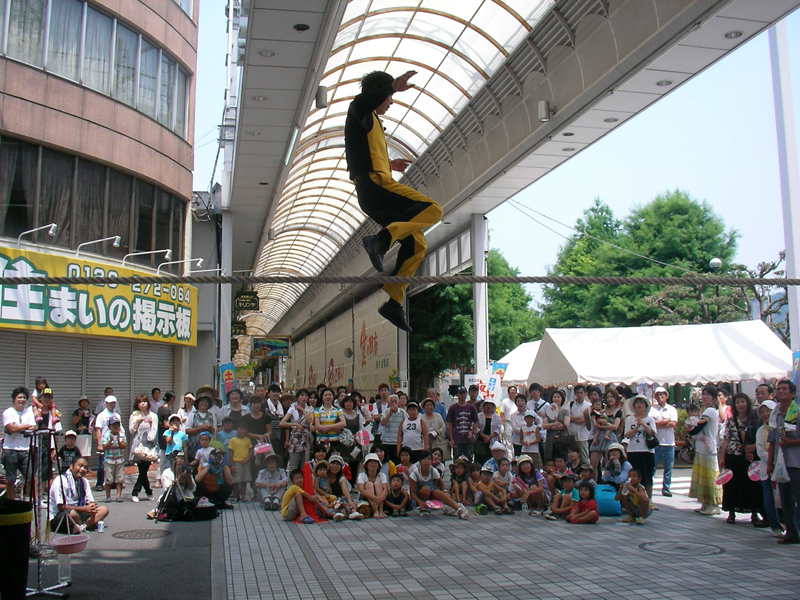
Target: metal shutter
[
  {"x": 152, "y": 367},
  {"x": 13, "y": 347},
  {"x": 108, "y": 364},
  {"x": 59, "y": 359}
]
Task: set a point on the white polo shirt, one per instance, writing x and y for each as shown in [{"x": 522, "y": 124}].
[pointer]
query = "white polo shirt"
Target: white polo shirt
[{"x": 665, "y": 435}]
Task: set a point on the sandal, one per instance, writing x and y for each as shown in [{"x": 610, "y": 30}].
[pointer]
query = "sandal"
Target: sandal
[
  {"x": 731, "y": 518},
  {"x": 509, "y": 511},
  {"x": 498, "y": 511},
  {"x": 423, "y": 512},
  {"x": 307, "y": 520}
]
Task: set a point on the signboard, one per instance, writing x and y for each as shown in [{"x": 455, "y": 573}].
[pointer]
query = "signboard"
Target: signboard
[
  {"x": 246, "y": 301},
  {"x": 227, "y": 376},
  {"x": 499, "y": 369},
  {"x": 234, "y": 347},
  {"x": 162, "y": 312},
  {"x": 271, "y": 346},
  {"x": 795, "y": 365},
  {"x": 238, "y": 328}
]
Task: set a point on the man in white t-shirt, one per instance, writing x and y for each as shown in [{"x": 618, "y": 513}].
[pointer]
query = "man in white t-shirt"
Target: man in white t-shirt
[
  {"x": 579, "y": 423},
  {"x": 507, "y": 408},
  {"x": 16, "y": 420},
  {"x": 100, "y": 429},
  {"x": 666, "y": 418},
  {"x": 380, "y": 406}
]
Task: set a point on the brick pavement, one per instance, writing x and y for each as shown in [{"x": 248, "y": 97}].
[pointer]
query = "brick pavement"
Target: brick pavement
[{"x": 690, "y": 557}]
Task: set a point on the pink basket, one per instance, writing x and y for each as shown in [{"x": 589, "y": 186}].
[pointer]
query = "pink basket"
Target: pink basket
[
  {"x": 262, "y": 448},
  {"x": 70, "y": 544}
]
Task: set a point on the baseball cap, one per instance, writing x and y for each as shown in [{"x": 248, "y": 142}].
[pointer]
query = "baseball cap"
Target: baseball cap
[
  {"x": 529, "y": 413},
  {"x": 47, "y": 392},
  {"x": 661, "y": 389},
  {"x": 70, "y": 433},
  {"x": 174, "y": 416},
  {"x": 461, "y": 390},
  {"x": 474, "y": 387},
  {"x": 113, "y": 419},
  {"x": 110, "y": 399}
]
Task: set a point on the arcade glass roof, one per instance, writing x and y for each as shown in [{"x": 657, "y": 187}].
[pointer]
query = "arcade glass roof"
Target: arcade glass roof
[{"x": 454, "y": 45}]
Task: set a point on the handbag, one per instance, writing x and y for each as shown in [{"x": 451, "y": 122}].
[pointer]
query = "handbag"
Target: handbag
[
  {"x": 651, "y": 441},
  {"x": 564, "y": 439},
  {"x": 146, "y": 454},
  {"x": 346, "y": 438}
]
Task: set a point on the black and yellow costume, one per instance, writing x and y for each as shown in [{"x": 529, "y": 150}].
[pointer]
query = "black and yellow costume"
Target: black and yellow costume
[{"x": 403, "y": 212}]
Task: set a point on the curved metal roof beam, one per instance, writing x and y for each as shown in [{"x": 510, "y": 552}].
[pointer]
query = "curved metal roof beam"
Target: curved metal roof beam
[
  {"x": 439, "y": 13},
  {"x": 316, "y": 229},
  {"x": 413, "y": 109},
  {"x": 309, "y": 207},
  {"x": 417, "y": 38},
  {"x": 400, "y": 59}
]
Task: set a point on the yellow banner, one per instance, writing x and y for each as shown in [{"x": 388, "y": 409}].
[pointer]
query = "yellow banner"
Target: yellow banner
[{"x": 163, "y": 312}]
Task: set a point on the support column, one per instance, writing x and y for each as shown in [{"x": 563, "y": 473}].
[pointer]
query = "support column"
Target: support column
[
  {"x": 225, "y": 312},
  {"x": 787, "y": 165},
  {"x": 479, "y": 237}
]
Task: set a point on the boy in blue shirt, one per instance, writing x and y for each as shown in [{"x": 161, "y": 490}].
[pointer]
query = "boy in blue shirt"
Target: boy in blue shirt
[{"x": 175, "y": 437}]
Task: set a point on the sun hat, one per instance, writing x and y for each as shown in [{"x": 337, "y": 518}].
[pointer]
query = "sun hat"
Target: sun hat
[
  {"x": 661, "y": 390},
  {"x": 617, "y": 446},
  {"x": 424, "y": 402},
  {"x": 336, "y": 458},
  {"x": 489, "y": 401},
  {"x": 497, "y": 446},
  {"x": 322, "y": 463},
  {"x": 634, "y": 399},
  {"x": 529, "y": 413},
  {"x": 277, "y": 459},
  {"x": 372, "y": 456},
  {"x": 524, "y": 458},
  {"x": 412, "y": 405}
]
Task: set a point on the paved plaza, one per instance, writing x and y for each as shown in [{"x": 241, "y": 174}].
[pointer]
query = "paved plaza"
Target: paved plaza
[
  {"x": 678, "y": 555},
  {"x": 248, "y": 554}
]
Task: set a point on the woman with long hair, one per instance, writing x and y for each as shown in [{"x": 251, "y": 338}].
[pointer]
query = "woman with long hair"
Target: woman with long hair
[
  {"x": 740, "y": 494},
  {"x": 706, "y": 468},
  {"x": 143, "y": 426}
]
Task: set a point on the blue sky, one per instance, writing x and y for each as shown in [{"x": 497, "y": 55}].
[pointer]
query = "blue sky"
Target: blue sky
[{"x": 713, "y": 137}]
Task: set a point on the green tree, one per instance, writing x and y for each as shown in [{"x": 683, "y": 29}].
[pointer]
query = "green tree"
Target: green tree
[
  {"x": 441, "y": 317},
  {"x": 669, "y": 236}
]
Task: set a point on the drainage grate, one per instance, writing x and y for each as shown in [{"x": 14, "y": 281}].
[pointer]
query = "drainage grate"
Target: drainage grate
[
  {"x": 142, "y": 534},
  {"x": 681, "y": 548}
]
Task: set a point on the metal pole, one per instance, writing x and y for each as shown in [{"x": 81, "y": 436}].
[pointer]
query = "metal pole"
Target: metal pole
[
  {"x": 480, "y": 295},
  {"x": 788, "y": 166}
]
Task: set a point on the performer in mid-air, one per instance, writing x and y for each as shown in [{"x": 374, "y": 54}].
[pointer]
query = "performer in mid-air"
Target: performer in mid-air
[{"x": 403, "y": 212}]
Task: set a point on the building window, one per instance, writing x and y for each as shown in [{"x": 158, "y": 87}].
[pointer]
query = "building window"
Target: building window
[
  {"x": 87, "y": 46},
  {"x": 26, "y": 30},
  {"x": 64, "y": 43},
  {"x": 97, "y": 51},
  {"x": 88, "y": 201}
]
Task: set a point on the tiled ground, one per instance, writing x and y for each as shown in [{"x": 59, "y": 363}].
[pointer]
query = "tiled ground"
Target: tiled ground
[{"x": 691, "y": 558}]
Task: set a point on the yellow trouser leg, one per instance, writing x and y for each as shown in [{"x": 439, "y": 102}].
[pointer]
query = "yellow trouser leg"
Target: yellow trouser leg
[
  {"x": 427, "y": 217},
  {"x": 396, "y": 291}
]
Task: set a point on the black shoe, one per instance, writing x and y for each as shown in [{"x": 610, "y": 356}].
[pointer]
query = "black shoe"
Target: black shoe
[
  {"x": 789, "y": 540},
  {"x": 667, "y": 494},
  {"x": 393, "y": 312},
  {"x": 371, "y": 246}
]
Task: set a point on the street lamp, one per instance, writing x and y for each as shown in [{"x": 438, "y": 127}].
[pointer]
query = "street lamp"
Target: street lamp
[
  {"x": 199, "y": 262},
  {"x": 51, "y": 231},
  {"x": 715, "y": 265},
  {"x": 167, "y": 254},
  {"x": 116, "y": 238}
]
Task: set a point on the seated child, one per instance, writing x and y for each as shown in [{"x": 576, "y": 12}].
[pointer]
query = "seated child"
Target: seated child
[
  {"x": 426, "y": 484},
  {"x": 585, "y": 476},
  {"x": 372, "y": 485},
  {"x": 574, "y": 462},
  {"x": 615, "y": 467},
  {"x": 397, "y": 501},
  {"x": 554, "y": 472},
  {"x": 564, "y": 500},
  {"x": 458, "y": 481},
  {"x": 292, "y": 501},
  {"x": 326, "y": 500},
  {"x": 406, "y": 467},
  {"x": 530, "y": 437},
  {"x": 271, "y": 483},
  {"x": 632, "y": 496},
  {"x": 472, "y": 483},
  {"x": 502, "y": 479},
  {"x": 490, "y": 495},
  {"x": 585, "y": 511},
  {"x": 436, "y": 460},
  {"x": 537, "y": 492}
]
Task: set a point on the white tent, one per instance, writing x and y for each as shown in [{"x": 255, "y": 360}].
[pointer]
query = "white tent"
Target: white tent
[
  {"x": 520, "y": 361},
  {"x": 682, "y": 354}
]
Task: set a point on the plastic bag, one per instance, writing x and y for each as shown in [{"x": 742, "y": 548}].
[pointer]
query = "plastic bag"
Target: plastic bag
[{"x": 779, "y": 473}]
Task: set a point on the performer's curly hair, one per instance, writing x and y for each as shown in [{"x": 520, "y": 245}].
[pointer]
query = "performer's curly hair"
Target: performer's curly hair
[{"x": 376, "y": 79}]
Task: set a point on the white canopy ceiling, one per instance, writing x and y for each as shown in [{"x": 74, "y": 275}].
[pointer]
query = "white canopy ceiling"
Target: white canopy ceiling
[{"x": 682, "y": 354}]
